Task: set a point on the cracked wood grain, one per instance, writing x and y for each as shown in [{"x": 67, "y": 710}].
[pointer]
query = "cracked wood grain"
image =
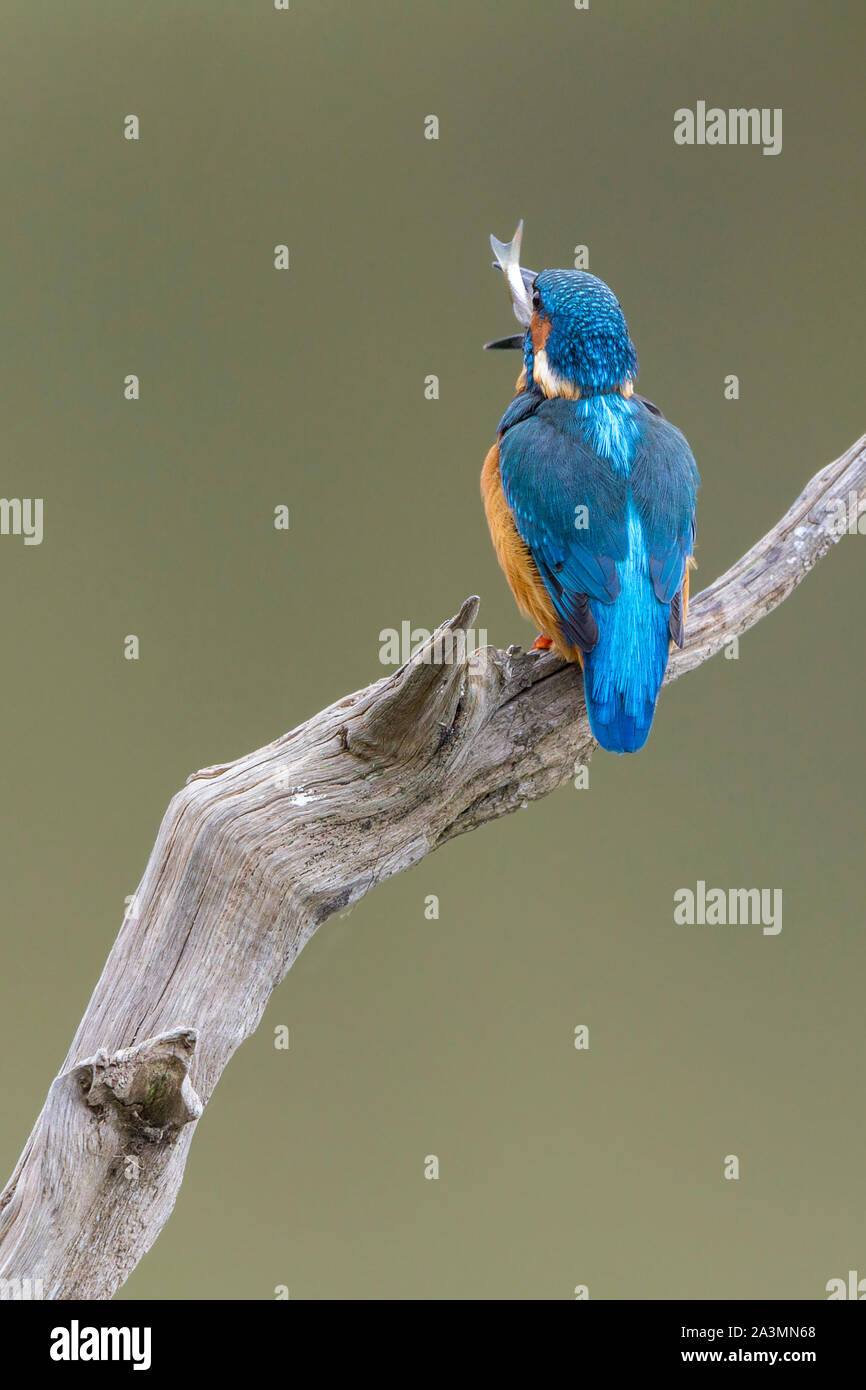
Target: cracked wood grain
[{"x": 253, "y": 855}]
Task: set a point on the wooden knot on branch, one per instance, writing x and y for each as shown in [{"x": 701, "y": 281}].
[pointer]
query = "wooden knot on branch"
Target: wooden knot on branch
[
  {"x": 418, "y": 708},
  {"x": 145, "y": 1087}
]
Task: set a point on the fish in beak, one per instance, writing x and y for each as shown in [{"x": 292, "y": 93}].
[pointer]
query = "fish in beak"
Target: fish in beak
[{"x": 519, "y": 283}]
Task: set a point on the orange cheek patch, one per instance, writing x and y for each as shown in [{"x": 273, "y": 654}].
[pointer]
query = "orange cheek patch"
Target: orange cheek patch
[{"x": 539, "y": 331}]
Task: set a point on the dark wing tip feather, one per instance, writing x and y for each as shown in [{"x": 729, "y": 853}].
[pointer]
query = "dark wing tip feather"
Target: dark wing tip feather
[
  {"x": 676, "y": 625},
  {"x": 579, "y": 626}
]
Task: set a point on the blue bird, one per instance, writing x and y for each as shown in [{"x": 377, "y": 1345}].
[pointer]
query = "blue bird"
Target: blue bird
[{"x": 590, "y": 496}]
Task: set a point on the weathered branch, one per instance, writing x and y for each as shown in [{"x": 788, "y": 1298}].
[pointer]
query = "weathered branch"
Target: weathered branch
[{"x": 252, "y": 856}]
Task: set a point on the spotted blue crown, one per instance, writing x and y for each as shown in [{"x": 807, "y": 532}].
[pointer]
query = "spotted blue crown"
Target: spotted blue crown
[{"x": 588, "y": 341}]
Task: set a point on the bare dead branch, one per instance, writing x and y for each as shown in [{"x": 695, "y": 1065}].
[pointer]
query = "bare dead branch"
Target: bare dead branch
[{"x": 253, "y": 855}]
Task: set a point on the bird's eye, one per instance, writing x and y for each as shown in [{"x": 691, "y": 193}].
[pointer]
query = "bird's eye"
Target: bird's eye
[{"x": 536, "y": 299}]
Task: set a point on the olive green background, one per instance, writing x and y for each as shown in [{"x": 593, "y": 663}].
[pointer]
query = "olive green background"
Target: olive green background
[{"x": 455, "y": 1037}]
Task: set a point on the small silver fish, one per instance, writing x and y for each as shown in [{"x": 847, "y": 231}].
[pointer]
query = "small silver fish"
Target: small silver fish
[{"x": 519, "y": 280}]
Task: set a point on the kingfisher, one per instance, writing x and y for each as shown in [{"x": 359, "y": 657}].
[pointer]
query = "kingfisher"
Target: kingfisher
[{"x": 589, "y": 494}]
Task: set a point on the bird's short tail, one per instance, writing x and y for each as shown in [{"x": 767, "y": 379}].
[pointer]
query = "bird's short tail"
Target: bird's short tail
[
  {"x": 623, "y": 674},
  {"x": 619, "y": 727}
]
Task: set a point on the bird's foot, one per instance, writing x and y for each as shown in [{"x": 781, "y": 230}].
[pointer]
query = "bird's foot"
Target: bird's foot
[{"x": 541, "y": 643}]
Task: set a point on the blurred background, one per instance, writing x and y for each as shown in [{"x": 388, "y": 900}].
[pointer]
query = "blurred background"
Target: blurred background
[{"x": 451, "y": 1037}]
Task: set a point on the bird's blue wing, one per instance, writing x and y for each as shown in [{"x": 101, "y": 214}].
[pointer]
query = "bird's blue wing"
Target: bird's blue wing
[
  {"x": 569, "y": 508},
  {"x": 664, "y": 481}
]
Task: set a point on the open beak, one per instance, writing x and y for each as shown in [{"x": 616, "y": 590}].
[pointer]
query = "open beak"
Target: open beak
[{"x": 519, "y": 283}]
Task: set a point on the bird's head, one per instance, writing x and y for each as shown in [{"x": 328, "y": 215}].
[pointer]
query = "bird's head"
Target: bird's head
[{"x": 575, "y": 341}]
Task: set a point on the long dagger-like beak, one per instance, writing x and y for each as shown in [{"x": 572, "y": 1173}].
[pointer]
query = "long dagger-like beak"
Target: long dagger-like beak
[
  {"x": 519, "y": 283},
  {"x": 515, "y": 340}
]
